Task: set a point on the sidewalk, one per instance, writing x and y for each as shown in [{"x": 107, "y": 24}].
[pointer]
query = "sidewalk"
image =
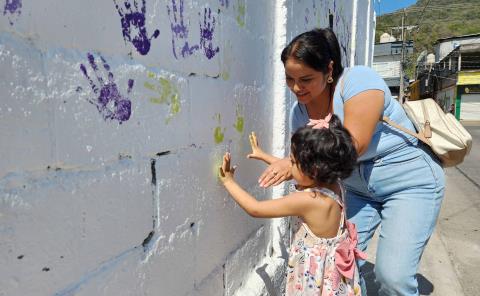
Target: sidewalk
[
  {"x": 470, "y": 122},
  {"x": 451, "y": 262}
]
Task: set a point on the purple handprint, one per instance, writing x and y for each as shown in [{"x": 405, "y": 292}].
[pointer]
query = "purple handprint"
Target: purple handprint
[
  {"x": 12, "y": 7},
  {"x": 110, "y": 103},
  {"x": 206, "y": 34},
  {"x": 179, "y": 30},
  {"x": 224, "y": 3},
  {"x": 133, "y": 24}
]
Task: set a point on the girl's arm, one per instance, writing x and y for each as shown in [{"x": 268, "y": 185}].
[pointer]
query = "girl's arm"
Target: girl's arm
[
  {"x": 258, "y": 153},
  {"x": 296, "y": 204},
  {"x": 361, "y": 115}
]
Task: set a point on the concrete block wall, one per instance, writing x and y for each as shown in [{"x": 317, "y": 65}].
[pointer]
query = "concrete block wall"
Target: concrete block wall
[{"x": 114, "y": 117}]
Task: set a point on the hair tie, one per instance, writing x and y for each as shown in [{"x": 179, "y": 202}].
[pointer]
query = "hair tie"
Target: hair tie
[{"x": 320, "y": 123}]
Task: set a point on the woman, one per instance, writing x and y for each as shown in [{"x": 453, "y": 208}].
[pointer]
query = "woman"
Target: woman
[{"x": 398, "y": 184}]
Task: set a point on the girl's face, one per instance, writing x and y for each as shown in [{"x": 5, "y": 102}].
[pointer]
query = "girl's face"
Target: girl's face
[
  {"x": 306, "y": 83},
  {"x": 298, "y": 175}
]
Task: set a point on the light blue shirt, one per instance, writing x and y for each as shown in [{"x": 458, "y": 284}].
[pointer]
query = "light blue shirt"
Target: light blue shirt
[{"x": 356, "y": 80}]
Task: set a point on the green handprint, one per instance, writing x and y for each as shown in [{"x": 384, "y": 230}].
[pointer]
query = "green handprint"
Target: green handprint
[
  {"x": 218, "y": 133},
  {"x": 168, "y": 94},
  {"x": 240, "y": 121},
  {"x": 227, "y": 60},
  {"x": 240, "y": 13}
]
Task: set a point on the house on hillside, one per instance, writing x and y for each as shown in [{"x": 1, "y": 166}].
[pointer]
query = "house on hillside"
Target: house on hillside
[{"x": 387, "y": 60}]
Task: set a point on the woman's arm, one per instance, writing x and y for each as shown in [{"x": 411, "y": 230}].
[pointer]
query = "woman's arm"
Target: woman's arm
[
  {"x": 276, "y": 173},
  {"x": 258, "y": 153},
  {"x": 361, "y": 115},
  {"x": 278, "y": 170}
]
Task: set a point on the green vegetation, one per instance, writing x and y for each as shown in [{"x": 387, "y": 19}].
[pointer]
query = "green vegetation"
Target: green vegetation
[{"x": 440, "y": 19}]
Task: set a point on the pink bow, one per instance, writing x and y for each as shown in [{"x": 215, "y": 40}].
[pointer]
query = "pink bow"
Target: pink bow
[
  {"x": 347, "y": 253},
  {"x": 320, "y": 123}
]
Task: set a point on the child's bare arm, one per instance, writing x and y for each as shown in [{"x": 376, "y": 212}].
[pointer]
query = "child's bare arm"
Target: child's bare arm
[
  {"x": 296, "y": 204},
  {"x": 258, "y": 153}
]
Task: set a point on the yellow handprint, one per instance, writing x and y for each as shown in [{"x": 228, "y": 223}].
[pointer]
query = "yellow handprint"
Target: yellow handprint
[{"x": 167, "y": 94}]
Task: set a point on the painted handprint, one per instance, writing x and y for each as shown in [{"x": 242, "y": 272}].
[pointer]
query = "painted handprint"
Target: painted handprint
[
  {"x": 240, "y": 120},
  {"x": 133, "y": 25},
  {"x": 167, "y": 94},
  {"x": 227, "y": 60},
  {"x": 218, "y": 132},
  {"x": 110, "y": 103},
  {"x": 307, "y": 17},
  {"x": 224, "y": 3},
  {"x": 206, "y": 34},
  {"x": 12, "y": 7},
  {"x": 241, "y": 8},
  {"x": 179, "y": 30}
]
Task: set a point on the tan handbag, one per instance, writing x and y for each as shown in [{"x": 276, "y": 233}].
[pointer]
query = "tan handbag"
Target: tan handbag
[{"x": 449, "y": 140}]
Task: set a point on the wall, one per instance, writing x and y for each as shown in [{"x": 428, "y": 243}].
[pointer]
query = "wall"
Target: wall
[{"x": 115, "y": 115}]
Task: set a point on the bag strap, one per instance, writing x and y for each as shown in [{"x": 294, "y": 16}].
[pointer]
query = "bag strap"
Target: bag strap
[
  {"x": 342, "y": 84},
  {"x": 419, "y": 136}
]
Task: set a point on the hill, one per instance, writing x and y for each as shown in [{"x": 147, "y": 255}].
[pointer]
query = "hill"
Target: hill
[{"x": 440, "y": 19}]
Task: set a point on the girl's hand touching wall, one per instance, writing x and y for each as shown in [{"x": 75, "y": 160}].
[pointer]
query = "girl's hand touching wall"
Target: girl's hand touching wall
[{"x": 225, "y": 171}]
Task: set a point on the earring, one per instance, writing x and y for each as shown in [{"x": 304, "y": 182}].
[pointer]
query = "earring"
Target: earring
[{"x": 329, "y": 79}]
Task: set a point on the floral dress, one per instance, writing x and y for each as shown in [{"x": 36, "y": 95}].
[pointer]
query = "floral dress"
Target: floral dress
[{"x": 324, "y": 266}]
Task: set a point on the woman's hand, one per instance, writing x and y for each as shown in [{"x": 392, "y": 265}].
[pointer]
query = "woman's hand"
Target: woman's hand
[
  {"x": 276, "y": 173},
  {"x": 225, "y": 172},
  {"x": 257, "y": 152}
]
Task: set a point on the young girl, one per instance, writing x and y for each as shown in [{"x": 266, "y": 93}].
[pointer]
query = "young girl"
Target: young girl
[{"x": 323, "y": 249}]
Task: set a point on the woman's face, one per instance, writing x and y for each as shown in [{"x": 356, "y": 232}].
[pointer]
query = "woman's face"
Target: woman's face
[{"x": 306, "y": 83}]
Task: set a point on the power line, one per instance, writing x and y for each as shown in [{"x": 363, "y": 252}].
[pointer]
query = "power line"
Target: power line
[{"x": 421, "y": 17}]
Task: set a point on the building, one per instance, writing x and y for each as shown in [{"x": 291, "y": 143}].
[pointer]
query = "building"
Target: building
[
  {"x": 387, "y": 60},
  {"x": 453, "y": 80}
]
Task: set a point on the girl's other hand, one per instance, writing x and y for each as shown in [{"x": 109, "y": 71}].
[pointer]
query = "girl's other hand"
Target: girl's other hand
[
  {"x": 225, "y": 171},
  {"x": 276, "y": 173},
  {"x": 257, "y": 152}
]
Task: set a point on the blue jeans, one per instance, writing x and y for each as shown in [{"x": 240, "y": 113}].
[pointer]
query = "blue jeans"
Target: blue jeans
[{"x": 401, "y": 191}]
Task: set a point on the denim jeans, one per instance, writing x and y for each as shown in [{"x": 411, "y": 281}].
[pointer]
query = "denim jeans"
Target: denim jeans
[{"x": 402, "y": 192}]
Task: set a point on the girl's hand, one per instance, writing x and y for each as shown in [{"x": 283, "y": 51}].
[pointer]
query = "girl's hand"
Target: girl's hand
[
  {"x": 257, "y": 152},
  {"x": 225, "y": 171},
  {"x": 276, "y": 173}
]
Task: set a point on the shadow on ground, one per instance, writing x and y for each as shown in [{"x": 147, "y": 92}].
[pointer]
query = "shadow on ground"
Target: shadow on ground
[{"x": 425, "y": 287}]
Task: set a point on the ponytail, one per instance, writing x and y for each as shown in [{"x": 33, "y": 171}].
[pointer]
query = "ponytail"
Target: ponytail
[{"x": 316, "y": 49}]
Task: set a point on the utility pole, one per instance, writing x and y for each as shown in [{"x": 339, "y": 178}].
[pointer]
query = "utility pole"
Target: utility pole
[{"x": 402, "y": 63}]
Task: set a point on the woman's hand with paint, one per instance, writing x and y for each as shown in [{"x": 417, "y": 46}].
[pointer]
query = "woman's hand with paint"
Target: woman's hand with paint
[
  {"x": 226, "y": 172},
  {"x": 257, "y": 152}
]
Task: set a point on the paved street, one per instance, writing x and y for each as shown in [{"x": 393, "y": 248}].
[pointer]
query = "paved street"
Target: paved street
[{"x": 451, "y": 263}]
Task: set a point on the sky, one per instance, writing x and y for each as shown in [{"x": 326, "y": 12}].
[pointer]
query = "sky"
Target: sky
[{"x": 386, "y": 6}]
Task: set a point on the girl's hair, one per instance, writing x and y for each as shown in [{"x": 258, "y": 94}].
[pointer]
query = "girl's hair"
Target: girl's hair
[
  {"x": 316, "y": 48},
  {"x": 324, "y": 155}
]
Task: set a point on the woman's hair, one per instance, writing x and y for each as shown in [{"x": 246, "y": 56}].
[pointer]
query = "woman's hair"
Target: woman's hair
[
  {"x": 326, "y": 154},
  {"x": 316, "y": 48}
]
